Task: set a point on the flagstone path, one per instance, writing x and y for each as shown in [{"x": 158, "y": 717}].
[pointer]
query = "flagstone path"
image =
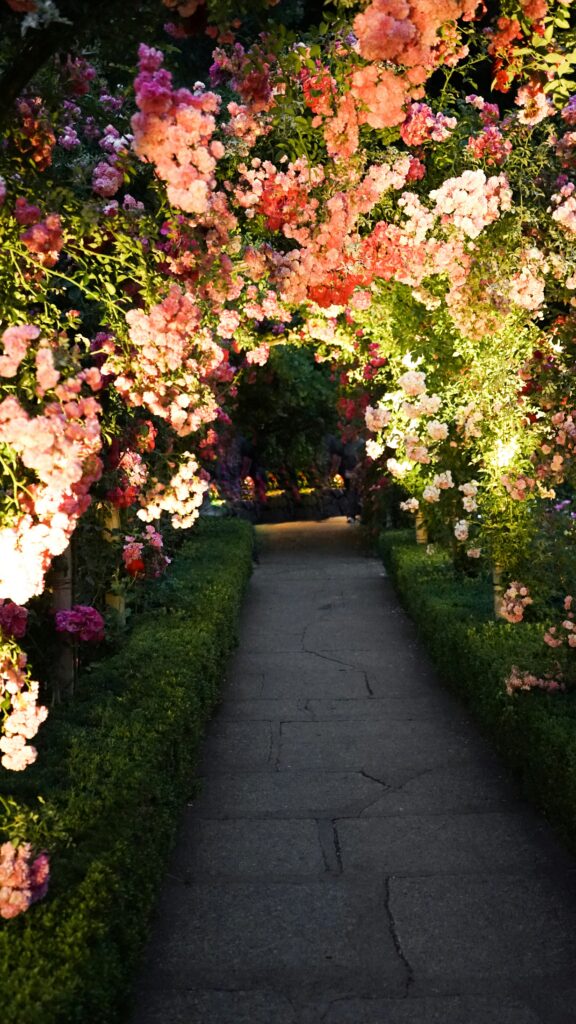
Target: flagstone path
[{"x": 357, "y": 855}]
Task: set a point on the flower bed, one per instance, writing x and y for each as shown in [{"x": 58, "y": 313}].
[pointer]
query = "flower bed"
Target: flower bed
[
  {"x": 535, "y": 732},
  {"x": 115, "y": 767}
]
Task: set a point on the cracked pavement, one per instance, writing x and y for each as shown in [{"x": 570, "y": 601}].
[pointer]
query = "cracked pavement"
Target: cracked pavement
[{"x": 357, "y": 854}]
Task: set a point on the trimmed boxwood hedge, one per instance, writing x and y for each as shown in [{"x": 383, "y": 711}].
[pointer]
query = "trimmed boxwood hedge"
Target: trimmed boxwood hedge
[
  {"x": 115, "y": 766},
  {"x": 535, "y": 732}
]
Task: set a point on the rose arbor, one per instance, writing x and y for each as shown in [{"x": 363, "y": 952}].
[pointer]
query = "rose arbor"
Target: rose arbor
[{"x": 347, "y": 189}]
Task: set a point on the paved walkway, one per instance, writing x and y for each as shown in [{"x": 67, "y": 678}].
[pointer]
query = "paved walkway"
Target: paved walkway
[{"x": 357, "y": 855}]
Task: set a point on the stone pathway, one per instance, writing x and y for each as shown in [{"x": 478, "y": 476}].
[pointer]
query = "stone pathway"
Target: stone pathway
[{"x": 357, "y": 855}]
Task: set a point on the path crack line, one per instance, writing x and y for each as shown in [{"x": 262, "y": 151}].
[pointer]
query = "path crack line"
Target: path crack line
[
  {"x": 325, "y": 657},
  {"x": 337, "y": 847},
  {"x": 374, "y": 779},
  {"x": 396, "y": 938},
  {"x": 329, "y": 845}
]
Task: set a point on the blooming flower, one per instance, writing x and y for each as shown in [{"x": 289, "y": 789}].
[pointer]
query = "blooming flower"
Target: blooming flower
[
  {"x": 107, "y": 179},
  {"x": 373, "y": 449},
  {"x": 474, "y": 552},
  {"x": 145, "y": 556},
  {"x": 413, "y": 382},
  {"x": 15, "y": 341},
  {"x": 82, "y": 622},
  {"x": 444, "y": 480},
  {"x": 472, "y": 201},
  {"x": 514, "y": 600},
  {"x": 23, "y": 880},
  {"x": 438, "y": 431},
  {"x": 518, "y": 680},
  {"x": 431, "y": 494},
  {"x": 423, "y": 125},
  {"x": 534, "y": 105},
  {"x": 461, "y": 530},
  {"x": 376, "y": 417},
  {"x": 13, "y": 619},
  {"x": 22, "y": 715},
  {"x": 398, "y": 469}
]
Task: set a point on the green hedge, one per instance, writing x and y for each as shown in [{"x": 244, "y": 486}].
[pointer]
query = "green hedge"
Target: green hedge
[
  {"x": 114, "y": 767},
  {"x": 535, "y": 732}
]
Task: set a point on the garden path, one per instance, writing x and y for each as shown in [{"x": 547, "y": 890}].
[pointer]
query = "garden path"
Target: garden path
[{"x": 357, "y": 855}]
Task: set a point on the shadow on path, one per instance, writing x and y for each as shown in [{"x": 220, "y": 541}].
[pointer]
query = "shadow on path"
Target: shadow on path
[{"x": 357, "y": 855}]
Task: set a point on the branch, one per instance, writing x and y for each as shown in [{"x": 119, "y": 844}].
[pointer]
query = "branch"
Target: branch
[{"x": 32, "y": 56}]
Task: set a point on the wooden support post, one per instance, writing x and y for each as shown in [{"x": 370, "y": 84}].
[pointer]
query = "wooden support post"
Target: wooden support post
[
  {"x": 421, "y": 529},
  {"x": 65, "y": 665},
  {"x": 498, "y": 590},
  {"x": 112, "y": 527}
]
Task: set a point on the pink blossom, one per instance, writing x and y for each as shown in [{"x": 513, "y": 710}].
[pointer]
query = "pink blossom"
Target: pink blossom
[
  {"x": 565, "y": 202},
  {"x": 461, "y": 530},
  {"x": 23, "y": 880},
  {"x": 416, "y": 451},
  {"x": 431, "y": 494},
  {"x": 398, "y": 469},
  {"x": 514, "y": 601},
  {"x": 68, "y": 138},
  {"x": 174, "y": 361},
  {"x": 438, "y": 431},
  {"x": 13, "y": 619},
  {"x": 258, "y": 356},
  {"x": 490, "y": 146},
  {"x": 173, "y": 130},
  {"x": 472, "y": 201},
  {"x": 25, "y": 213},
  {"x": 107, "y": 179},
  {"x": 47, "y": 376},
  {"x": 15, "y": 341},
  {"x": 82, "y": 622},
  {"x": 413, "y": 382},
  {"x": 568, "y": 112},
  {"x": 228, "y": 323},
  {"x": 377, "y": 417},
  {"x": 45, "y": 239},
  {"x": 534, "y": 104},
  {"x": 22, "y": 714},
  {"x": 489, "y": 112},
  {"x": 380, "y": 96},
  {"x": 444, "y": 480},
  {"x": 518, "y": 680},
  {"x": 423, "y": 125},
  {"x": 132, "y": 205}
]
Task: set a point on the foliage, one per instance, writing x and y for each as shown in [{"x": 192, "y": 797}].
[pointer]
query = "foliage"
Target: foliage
[{"x": 288, "y": 407}]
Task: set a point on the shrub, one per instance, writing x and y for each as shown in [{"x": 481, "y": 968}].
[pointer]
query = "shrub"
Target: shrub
[
  {"x": 115, "y": 766},
  {"x": 535, "y": 732}
]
